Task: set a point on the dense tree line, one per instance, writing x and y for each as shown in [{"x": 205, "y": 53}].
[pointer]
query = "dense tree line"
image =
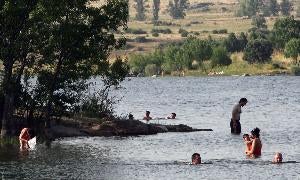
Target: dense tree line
[{"x": 61, "y": 44}]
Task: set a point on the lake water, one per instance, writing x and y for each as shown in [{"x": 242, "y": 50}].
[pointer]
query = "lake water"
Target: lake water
[{"x": 200, "y": 102}]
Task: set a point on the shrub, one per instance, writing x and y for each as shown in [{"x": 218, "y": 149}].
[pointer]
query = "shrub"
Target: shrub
[
  {"x": 221, "y": 31},
  {"x": 151, "y": 69},
  {"x": 183, "y": 32},
  {"x": 258, "y": 51},
  {"x": 135, "y": 31},
  {"x": 295, "y": 70},
  {"x": 163, "y": 31},
  {"x": 155, "y": 34},
  {"x": 220, "y": 57},
  {"x": 140, "y": 39}
]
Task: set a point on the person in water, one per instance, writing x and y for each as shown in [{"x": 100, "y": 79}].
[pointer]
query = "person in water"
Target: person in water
[
  {"x": 248, "y": 143},
  {"x": 256, "y": 144},
  {"x": 147, "y": 116},
  {"x": 196, "y": 159},
  {"x": 277, "y": 158},
  {"x": 24, "y": 137},
  {"x": 235, "y": 124},
  {"x": 172, "y": 116},
  {"x": 130, "y": 116}
]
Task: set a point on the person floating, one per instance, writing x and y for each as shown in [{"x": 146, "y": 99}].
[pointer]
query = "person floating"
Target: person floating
[
  {"x": 147, "y": 116},
  {"x": 196, "y": 159},
  {"x": 277, "y": 158},
  {"x": 248, "y": 143},
  {"x": 235, "y": 124},
  {"x": 172, "y": 116},
  {"x": 256, "y": 144},
  {"x": 24, "y": 138}
]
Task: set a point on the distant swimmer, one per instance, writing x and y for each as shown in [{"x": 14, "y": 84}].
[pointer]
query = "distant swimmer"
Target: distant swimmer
[
  {"x": 248, "y": 143},
  {"x": 235, "y": 124},
  {"x": 277, "y": 158},
  {"x": 130, "y": 116},
  {"x": 256, "y": 144},
  {"x": 172, "y": 116},
  {"x": 147, "y": 116},
  {"x": 24, "y": 138},
  {"x": 196, "y": 159}
]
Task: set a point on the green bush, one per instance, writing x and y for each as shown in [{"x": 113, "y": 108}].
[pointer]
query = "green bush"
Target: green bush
[
  {"x": 151, "y": 69},
  {"x": 258, "y": 51},
  {"x": 183, "y": 32},
  {"x": 135, "y": 31},
  {"x": 295, "y": 70},
  {"x": 163, "y": 31},
  {"x": 220, "y": 57},
  {"x": 220, "y": 31},
  {"x": 155, "y": 34},
  {"x": 140, "y": 39}
]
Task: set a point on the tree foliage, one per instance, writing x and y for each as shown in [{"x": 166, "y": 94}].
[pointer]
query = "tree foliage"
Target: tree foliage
[
  {"x": 64, "y": 43},
  {"x": 248, "y": 7},
  {"x": 270, "y": 8},
  {"x": 292, "y": 49},
  {"x": 258, "y": 51},
  {"x": 284, "y": 30},
  {"x": 220, "y": 57},
  {"x": 177, "y": 8}
]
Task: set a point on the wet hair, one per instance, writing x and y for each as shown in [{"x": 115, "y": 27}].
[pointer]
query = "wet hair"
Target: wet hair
[
  {"x": 147, "y": 112},
  {"x": 173, "y": 114},
  {"x": 195, "y": 155},
  {"x": 243, "y": 100},
  {"x": 245, "y": 135},
  {"x": 255, "y": 132}
]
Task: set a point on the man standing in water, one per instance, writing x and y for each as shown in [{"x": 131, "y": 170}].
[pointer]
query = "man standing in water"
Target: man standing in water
[{"x": 235, "y": 124}]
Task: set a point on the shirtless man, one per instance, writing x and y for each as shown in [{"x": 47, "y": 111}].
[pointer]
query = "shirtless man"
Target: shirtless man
[
  {"x": 24, "y": 138},
  {"x": 147, "y": 116},
  {"x": 235, "y": 124}
]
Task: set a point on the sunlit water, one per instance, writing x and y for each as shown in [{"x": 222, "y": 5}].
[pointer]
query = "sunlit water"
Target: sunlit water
[{"x": 274, "y": 107}]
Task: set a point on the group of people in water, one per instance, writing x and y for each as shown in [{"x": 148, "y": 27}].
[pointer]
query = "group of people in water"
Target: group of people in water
[{"x": 252, "y": 141}]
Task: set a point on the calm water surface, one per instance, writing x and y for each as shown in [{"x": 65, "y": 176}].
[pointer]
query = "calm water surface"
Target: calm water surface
[{"x": 274, "y": 107}]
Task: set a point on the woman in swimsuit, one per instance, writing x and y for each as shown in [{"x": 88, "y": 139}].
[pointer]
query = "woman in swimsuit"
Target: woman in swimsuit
[
  {"x": 256, "y": 144},
  {"x": 24, "y": 138}
]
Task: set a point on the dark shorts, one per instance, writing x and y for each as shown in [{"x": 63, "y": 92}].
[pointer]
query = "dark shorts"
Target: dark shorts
[{"x": 235, "y": 127}]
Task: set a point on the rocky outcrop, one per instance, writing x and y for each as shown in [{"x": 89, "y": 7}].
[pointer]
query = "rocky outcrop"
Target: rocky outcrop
[{"x": 115, "y": 127}]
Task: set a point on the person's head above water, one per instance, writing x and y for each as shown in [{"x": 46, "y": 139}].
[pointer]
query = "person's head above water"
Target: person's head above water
[
  {"x": 130, "y": 116},
  {"x": 196, "y": 158},
  {"x": 277, "y": 158},
  {"x": 243, "y": 101},
  {"x": 147, "y": 113},
  {"x": 172, "y": 116},
  {"x": 246, "y": 137},
  {"x": 255, "y": 132}
]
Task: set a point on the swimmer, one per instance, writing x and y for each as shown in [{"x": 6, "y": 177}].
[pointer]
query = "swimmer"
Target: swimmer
[
  {"x": 256, "y": 144},
  {"x": 277, "y": 158},
  {"x": 172, "y": 116},
  {"x": 130, "y": 116},
  {"x": 196, "y": 159},
  {"x": 24, "y": 138},
  {"x": 147, "y": 116},
  {"x": 248, "y": 143}
]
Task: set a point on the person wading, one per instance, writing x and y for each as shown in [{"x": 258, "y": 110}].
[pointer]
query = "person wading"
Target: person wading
[{"x": 235, "y": 124}]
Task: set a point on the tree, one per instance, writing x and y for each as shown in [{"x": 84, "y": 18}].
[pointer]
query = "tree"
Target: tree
[
  {"x": 284, "y": 30},
  {"x": 292, "y": 49},
  {"x": 232, "y": 43},
  {"x": 156, "y": 8},
  {"x": 258, "y": 51},
  {"x": 16, "y": 43},
  {"x": 270, "y": 7},
  {"x": 248, "y": 7},
  {"x": 220, "y": 57},
  {"x": 242, "y": 41},
  {"x": 177, "y": 8},
  {"x": 76, "y": 43},
  {"x": 140, "y": 9},
  {"x": 259, "y": 22},
  {"x": 285, "y": 7}
]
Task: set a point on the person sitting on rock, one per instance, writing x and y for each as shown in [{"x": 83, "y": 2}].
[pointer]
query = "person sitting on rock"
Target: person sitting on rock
[
  {"x": 172, "y": 116},
  {"x": 147, "y": 116},
  {"x": 277, "y": 158},
  {"x": 196, "y": 159}
]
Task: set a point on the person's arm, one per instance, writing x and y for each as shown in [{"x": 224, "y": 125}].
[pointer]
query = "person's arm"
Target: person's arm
[{"x": 252, "y": 148}]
